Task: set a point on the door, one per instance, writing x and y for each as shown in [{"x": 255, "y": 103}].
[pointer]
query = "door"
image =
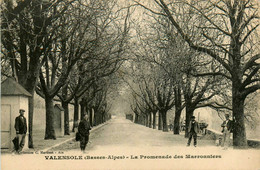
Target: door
[{"x": 5, "y": 126}]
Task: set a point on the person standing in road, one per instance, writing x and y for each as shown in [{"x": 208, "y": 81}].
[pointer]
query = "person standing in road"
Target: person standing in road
[
  {"x": 171, "y": 127},
  {"x": 193, "y": 131},
  {"x": 227, "y": 126},
  {"x": 83, "y": 129},
  {"x": 21, "y": 130}
]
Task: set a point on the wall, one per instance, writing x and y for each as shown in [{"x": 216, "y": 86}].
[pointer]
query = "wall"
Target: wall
[
  {"x": 39, "y": 117},
  {"x": 16, "y": 102}
]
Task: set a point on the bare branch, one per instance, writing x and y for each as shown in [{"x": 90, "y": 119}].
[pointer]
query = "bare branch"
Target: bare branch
[
  {"x": 154, "y": 12},
  {"x": 250, "y": 63},
  {"x": 188, "y": 40},
  {"x": 250, "y": 89}
]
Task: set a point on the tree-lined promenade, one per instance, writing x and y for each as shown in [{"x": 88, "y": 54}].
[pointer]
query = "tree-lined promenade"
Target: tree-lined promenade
[
  {"x": 198, "y": 54},
  {"x": 66, "y": 49},
  {"x": 178, "y": 55}
]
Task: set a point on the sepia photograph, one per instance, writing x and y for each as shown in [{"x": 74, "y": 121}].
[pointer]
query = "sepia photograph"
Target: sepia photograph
[{"x": 130, "y": 84}]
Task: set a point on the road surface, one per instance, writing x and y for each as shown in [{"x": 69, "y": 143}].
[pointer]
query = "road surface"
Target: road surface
[
  {"x": 121, "y": 144},
  {"x": 120, "y": 132}
]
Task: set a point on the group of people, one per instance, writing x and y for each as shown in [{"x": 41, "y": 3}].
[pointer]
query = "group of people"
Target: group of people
[
  {"x": 193, "y": 129},
  {"x": 21, "y": 130},
  {"x": 227, "y": 129},
  {"x": 84, "y": 128}
]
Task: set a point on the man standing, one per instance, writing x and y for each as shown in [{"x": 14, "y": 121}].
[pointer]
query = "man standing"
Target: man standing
[
  {"x": 83, "y": 129},
  {"x": 193, "y": 130},
  {"x": 227, "y": 130},
  {"x": 171, "y": 127},
  {"x": 21, "y": 130}
]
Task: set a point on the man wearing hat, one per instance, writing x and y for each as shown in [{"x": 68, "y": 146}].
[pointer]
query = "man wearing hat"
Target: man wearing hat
[
  {"x": 21, "y": 129},
  {"x": 193, "y": 131},
  {"x": 83, "y": 129},
  {"x": 227, "y": 126}
]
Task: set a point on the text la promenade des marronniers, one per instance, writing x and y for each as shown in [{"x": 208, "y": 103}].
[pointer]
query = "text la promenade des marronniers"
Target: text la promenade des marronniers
[{"x": 133, "y": 157}]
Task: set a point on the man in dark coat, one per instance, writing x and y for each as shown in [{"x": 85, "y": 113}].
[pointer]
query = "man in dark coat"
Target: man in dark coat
[
  {"x": 193, "y": 131},
  {"x": 21, "y": 130},
  {"x": 83, "y": 129}
]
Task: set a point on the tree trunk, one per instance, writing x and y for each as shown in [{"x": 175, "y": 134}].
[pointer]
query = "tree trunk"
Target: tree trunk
[
  {"x": 150, "y": 119},
  {"x": 239, "y": 132},
  {"x": 95, "y": 118},
  {"x": 177, "y": 118},
  {"x": 65, "y": 106},
  {"x": 31, "y": 109},
  {"x": 100, "y": 117},
  {"x": 141, "y": 120},
  {"x": 82, "y": 110},
  {"x": 189, "y": 113},
  {"x": 160, "y": 121},
  {"x": 147, "y": 120},
  {"x": 176, "y": 124},
  {"x": 154, "y": 120},
  {"x": 164, "y": 120},
  {"x": 103, "y": 117},
  {"x": 49, "y": 129},
  {"x": 90, "y": 117},
  {"x": 99, "y": 120},
  {"x": 136, "y": 118},
  {"x": 76, "y": 114}
]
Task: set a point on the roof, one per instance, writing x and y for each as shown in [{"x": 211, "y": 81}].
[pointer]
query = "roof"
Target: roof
[
  {"x": 59, "y": 107},
  {"x": 10, "y": 87}
]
